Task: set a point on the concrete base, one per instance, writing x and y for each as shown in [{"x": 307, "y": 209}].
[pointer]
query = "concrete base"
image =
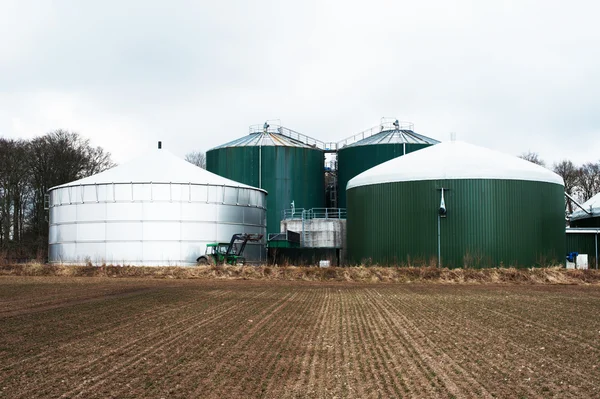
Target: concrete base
[{"x": 319, "y": 233}]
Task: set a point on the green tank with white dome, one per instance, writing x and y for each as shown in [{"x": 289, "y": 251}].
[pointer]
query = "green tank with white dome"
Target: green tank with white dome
[{"x": 499, "y": 210}]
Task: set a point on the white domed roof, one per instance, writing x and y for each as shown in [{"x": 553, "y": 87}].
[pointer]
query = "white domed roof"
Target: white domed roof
[
  {"x": 157, "y": 166},
  {"x": 592, "y": 205},
  {"x": 454, "y": 160}
]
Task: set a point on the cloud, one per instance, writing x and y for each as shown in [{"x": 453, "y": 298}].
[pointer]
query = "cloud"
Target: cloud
[{"x": 513, "y": 76}]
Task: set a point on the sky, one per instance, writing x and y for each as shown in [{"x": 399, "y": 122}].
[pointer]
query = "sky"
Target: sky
[{"x": 514, "y": 76}]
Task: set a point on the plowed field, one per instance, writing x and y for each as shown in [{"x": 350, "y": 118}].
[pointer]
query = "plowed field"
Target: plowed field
[{"x": 122, "y": 338}]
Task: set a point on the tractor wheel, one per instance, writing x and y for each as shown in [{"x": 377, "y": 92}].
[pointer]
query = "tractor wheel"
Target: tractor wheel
[{"x": 202, "y": 261}]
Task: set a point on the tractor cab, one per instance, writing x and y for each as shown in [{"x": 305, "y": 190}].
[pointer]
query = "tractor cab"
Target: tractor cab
[
  {"x": 215, "y": 249},
  {"x": 227, "y": 252}
]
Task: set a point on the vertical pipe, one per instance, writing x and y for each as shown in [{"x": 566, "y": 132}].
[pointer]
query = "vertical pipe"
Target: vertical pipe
[
  {"x": 596, "y": 249},
  {"x": 439, "y": 243},
  {"x": 260, "y": 162},
  {"x": 303, "y": 243}
]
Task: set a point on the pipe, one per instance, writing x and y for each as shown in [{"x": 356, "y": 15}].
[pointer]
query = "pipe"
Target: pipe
[
  {"x": 439, "y": 243},
  {"x": 441, "y": 212},
  {"x": 596, "y": 249},
  {"x": 260, "y": 162},
  {"x": 578, "y": 204},
  {"x": 303, "y": 238}
]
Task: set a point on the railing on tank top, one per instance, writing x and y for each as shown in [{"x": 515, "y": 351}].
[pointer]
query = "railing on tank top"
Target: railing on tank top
[
  {"x": 385, "y": 125},
  {"x": 284, "y": 131},
  {"x": 314, "y": 213}
]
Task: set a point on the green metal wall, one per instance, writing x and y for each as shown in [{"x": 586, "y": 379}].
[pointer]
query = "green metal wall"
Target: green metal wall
[
  {"x": 587, "y": 222},
  {"x": 283, "y": 244},
  {"x": 288, "y": 174},
  {"x": 354, "y": 160},
  {"x": 584, "y": 243},
  {"x": 489, "y": 223}
]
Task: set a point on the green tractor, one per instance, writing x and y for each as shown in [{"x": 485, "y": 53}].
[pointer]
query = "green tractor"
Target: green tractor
[{"x": 229, "y": 253}]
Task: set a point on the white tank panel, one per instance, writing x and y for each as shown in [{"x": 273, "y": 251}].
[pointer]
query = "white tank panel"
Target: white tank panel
[
  {"x": 136, "y": 214},
  {"x": 152, "y": 232}
]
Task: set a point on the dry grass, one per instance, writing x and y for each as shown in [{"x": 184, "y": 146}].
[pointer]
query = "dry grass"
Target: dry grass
[{"x": 553, "y": 275}]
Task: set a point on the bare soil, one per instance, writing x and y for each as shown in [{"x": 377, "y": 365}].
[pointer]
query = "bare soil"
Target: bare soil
[{"x": 73, "y": 337}]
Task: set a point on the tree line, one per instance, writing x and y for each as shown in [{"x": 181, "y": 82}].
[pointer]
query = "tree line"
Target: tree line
[
  {"x": 581, "y": 182},
  {"x": 28, "y": 168}
]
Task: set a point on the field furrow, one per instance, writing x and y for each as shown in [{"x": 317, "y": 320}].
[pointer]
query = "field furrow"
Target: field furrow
[
  {"x": 147, "y": 351},
  {"x": 131, "y": 338},
  {"x": 109, "y": 326}
]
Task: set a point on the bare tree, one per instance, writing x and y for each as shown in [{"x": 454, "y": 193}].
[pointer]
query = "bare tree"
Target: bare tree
[
  {"x": 589, "y": 180},
  {"x": 56, "y": 158},
  {"x": 532, "y": 157},
  {"x": 27, "y": 170},
  {"x": 14, "y": 181},
  {"x": 197, "y": 158},
  {"x": 570, "y": 174},
  {"x": 97, "y": 160}
]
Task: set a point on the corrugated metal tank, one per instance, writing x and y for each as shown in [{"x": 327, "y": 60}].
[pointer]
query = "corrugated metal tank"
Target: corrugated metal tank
[
  {"x": 501, "y": 210},
  {"x": 580, "y": 218},
  {"x": 156, "y": 210},
  {"x": 288, "y": 168},
  {"x": 380, "y": 144}
]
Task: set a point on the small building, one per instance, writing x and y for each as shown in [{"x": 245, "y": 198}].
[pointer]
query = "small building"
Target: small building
[
  {"x": 309, "y": 236},
  {"x": 584, "y": 240}
]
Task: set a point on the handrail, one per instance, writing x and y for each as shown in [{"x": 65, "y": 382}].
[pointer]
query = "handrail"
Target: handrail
[
  {"x": 385, "y": 125},
  {"x": 278, "y": 129},
  {"x": 314, "y": 213}
]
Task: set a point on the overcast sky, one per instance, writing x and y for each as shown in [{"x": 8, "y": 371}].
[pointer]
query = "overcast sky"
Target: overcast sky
[{"x": 509, "y": 75}]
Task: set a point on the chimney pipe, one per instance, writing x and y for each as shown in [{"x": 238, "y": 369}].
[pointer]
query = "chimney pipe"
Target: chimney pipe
[{"x": 159, "y": 145}]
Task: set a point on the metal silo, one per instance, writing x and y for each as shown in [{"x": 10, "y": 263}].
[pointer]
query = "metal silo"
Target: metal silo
[
  {"x": 498, "y": 210},
  {"x": 391, "y": 139},
  {"x": 285, "y": 163},
  {"x": 156, "y": 210}
]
